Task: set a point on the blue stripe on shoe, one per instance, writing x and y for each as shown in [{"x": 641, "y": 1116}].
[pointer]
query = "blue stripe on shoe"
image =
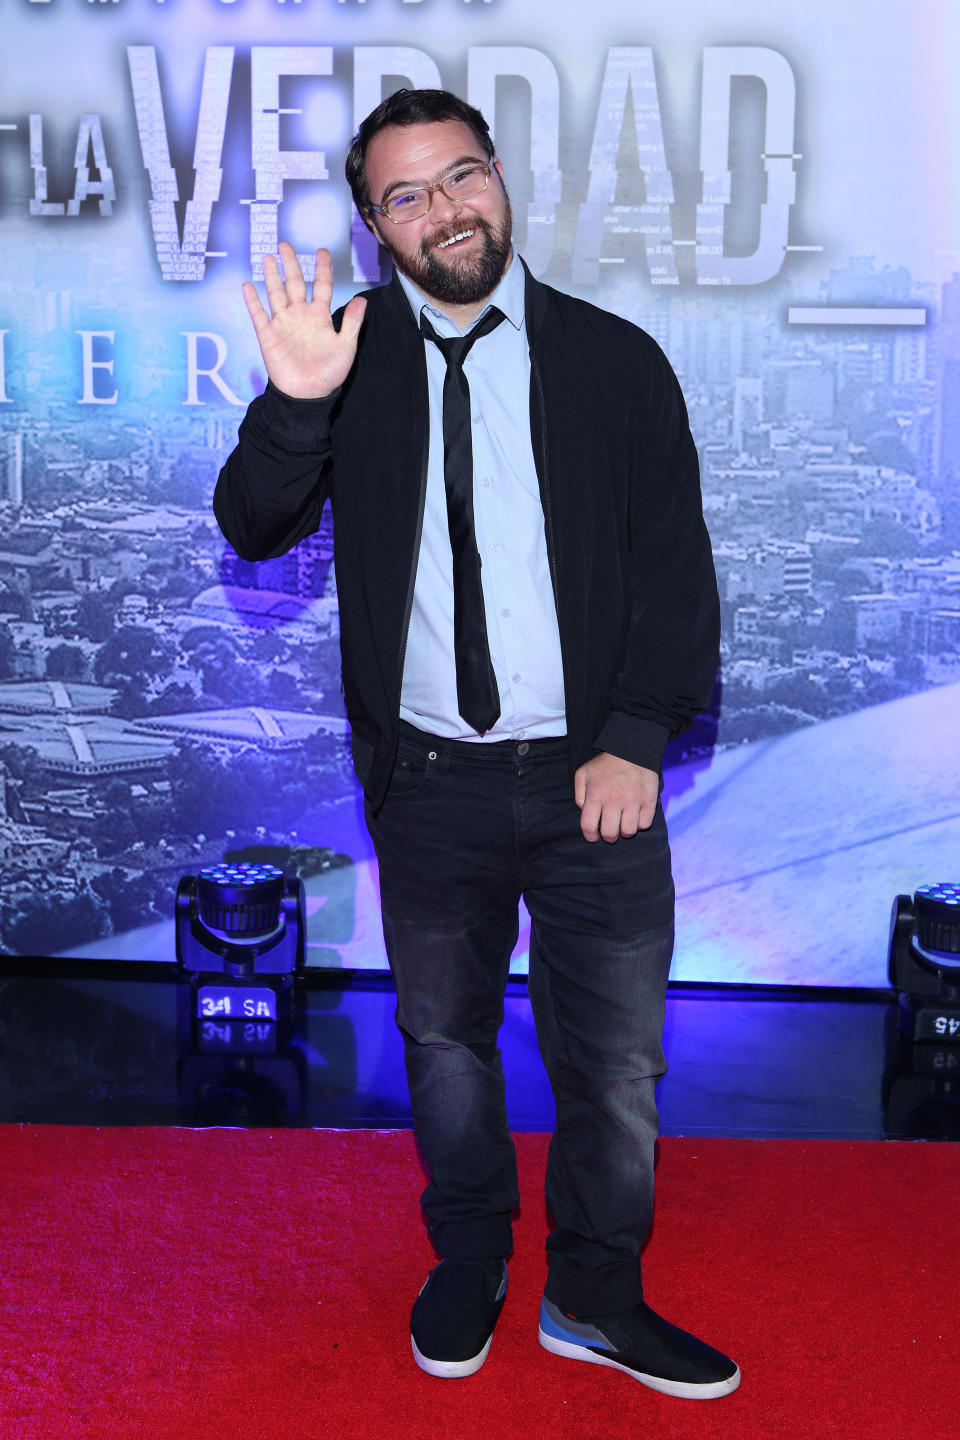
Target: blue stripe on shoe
[{"x": 575, "y": 1332}]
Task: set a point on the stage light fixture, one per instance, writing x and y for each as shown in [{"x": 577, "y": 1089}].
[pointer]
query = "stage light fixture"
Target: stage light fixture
[
  {"x": 924, "y": 962},
  {"x": 241, "y": 933}
]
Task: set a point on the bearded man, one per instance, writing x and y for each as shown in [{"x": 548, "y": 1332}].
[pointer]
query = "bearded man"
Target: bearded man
[{"x": 528, "y": 612}]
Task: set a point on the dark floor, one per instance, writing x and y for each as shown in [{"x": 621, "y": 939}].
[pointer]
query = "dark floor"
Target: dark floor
[{"x": 113, "y": 1044}]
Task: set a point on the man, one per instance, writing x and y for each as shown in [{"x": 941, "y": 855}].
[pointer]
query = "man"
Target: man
[{"x": 528, "y": 612}]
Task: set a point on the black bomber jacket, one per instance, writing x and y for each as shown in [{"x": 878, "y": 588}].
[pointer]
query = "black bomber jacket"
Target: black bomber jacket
[{"x": 629, "y": 553}]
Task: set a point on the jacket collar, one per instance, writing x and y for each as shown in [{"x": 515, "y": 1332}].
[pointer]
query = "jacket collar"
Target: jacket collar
[
  {"x": 395, "y": 299},
  {"x": 535, "y": 301}
]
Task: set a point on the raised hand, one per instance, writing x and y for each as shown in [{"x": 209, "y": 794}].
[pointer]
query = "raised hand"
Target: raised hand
[{"x": 304, "y": 355}]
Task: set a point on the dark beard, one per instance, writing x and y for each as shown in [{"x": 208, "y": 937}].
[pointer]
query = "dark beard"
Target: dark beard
[{"x": 456, "y": 284}]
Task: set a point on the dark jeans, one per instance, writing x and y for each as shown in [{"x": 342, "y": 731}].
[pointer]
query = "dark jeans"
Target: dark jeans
[{"x": 466, "y": 830}]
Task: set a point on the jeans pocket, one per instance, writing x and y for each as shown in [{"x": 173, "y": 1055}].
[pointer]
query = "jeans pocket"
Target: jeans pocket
[{"x": 414, "y": 769}]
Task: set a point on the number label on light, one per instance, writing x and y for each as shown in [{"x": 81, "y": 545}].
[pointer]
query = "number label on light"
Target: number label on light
[
  {"x": 236, "y": 1002},
  {"x": 211, "y": 1005}
]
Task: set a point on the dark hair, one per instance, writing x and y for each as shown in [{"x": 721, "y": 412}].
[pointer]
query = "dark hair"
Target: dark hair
[{"x": 409, "y": 107}]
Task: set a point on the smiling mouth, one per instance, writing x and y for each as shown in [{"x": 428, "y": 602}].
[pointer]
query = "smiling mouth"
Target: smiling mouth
[{"x": 454, "y": 239}]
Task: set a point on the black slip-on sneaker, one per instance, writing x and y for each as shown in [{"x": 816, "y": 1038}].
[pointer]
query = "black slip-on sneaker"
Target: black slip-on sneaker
[
  {"x": 452, "y": 1321},
  {"x": 642, "y": 1344}
]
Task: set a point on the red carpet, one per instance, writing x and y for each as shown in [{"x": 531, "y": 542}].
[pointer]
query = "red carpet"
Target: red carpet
[{"x": 231, "y": 1284}]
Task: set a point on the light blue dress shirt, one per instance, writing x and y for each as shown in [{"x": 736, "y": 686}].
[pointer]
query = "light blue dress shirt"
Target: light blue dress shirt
[{"x": 518, "y": 598}]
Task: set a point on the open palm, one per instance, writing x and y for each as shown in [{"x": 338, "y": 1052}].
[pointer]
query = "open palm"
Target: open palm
[{"x": 304, "y": 355}]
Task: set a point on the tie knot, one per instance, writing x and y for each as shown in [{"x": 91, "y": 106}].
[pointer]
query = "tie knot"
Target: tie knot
[{"x": 454, "y": 348}]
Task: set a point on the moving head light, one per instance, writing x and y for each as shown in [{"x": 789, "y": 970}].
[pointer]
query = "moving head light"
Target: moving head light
[
  {"x": 241, "y": 933},
  {"x": 924, "y": 962}
]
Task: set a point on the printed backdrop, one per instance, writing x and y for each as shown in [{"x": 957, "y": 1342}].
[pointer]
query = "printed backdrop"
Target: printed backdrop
[{"x": 771, "y": 191}]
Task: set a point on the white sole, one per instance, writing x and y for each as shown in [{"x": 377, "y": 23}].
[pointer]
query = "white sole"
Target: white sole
[
  {"x": 450, "y": 1369},
  {"x": 682, "y": 1389}
]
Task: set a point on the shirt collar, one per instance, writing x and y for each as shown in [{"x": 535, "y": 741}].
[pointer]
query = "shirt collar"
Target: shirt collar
[{"x": 509, "y": 297}]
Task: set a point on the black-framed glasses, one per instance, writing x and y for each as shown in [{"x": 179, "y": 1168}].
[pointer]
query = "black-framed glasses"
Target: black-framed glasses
[{"x": 461, "y": 184}]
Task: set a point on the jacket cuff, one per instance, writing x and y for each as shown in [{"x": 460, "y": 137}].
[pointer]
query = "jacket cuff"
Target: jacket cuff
[
  {"x": 296, "y": 425},
  {"x": 642, "y": 742}
]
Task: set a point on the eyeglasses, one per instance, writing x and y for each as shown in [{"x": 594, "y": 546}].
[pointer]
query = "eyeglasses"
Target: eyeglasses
[{"x": 460, "y": 184}]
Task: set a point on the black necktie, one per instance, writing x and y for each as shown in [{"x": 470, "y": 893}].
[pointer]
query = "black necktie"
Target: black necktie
[{"x": 478, "y": 698}]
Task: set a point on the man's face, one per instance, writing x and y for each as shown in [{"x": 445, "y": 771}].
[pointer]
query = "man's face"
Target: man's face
[{"x": 458, "y": 251}]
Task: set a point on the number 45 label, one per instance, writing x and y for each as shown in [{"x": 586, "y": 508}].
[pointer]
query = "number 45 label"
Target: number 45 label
[{"x": 947, "y": 1025}]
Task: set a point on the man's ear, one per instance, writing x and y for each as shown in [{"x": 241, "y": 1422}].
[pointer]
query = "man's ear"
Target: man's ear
[
  {"x": 495, "y": 162},
  {"x": 367, "y": 217}
]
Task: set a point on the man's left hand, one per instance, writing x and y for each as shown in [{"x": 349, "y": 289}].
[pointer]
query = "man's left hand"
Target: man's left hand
[{"x": 615, "y": 797}]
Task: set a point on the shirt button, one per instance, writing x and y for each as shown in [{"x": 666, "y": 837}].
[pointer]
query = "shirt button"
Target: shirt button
[
  {"x": 505, "y": 613},
  {"x": 486, "y": 482},
  {"x": 496, "y": 545},
  {"x": 477, "y": 419},
  {"x": 515, "y": 676}
]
